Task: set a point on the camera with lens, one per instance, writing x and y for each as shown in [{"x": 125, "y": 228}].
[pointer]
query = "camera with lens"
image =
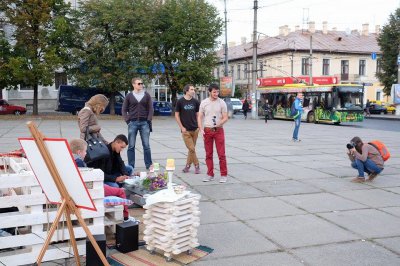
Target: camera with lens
[{"x": 350, "y": 146}]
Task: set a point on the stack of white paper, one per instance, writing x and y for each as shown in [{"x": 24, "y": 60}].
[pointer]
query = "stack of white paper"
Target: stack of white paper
[{"x": 172, "y": 226}]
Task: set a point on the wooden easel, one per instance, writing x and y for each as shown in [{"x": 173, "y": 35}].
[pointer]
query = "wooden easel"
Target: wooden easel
[{"x": 67, "y": 207}]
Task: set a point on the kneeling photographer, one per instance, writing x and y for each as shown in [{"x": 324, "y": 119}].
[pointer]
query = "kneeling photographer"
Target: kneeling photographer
[{"x": 365, "y": 158}]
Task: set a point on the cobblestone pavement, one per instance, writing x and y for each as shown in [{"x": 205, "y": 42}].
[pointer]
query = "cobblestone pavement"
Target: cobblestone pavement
[{"x": 285, "y": 203}]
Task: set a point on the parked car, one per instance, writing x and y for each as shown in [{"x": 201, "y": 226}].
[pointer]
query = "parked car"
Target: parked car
[
  {"x": 236, "y": 104},
  {"x": 6, "y": 108},
  {"x": 162, "y": 108},
  {"x": 72, "y": 99},
  {"x": 377, "y": 109},
  {"x": 391, "y": 108}
]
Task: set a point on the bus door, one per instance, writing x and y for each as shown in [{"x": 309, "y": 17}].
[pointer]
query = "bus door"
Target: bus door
[
  {"x": 324, "y": 111},
  {"x": 307, "y": 105}
]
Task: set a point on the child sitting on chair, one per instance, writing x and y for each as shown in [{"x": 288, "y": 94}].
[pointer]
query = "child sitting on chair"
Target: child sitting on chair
[{"x": 78, "y": 148}]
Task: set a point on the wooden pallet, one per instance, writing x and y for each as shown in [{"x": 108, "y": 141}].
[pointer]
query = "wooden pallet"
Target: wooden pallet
[
  {"x": 113, "y": 215},
  {"x": 34, "y": 218}
]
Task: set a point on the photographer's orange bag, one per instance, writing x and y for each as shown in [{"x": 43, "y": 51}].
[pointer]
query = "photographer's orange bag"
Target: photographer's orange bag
[{"x": 381, "y": 148}]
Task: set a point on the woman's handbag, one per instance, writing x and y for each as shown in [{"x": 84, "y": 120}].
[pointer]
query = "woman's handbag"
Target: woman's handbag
[{"x": 96, "y": 149}]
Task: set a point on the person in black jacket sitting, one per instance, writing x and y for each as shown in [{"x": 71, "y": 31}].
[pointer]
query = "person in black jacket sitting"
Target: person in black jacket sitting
[{"x": 114, "y": 168}]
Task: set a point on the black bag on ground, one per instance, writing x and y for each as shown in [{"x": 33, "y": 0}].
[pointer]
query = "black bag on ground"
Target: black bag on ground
[{"x": 96, "y": 148}]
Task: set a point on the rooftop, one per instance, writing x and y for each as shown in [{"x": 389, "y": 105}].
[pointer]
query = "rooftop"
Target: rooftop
[{"x": 323, "y": 41}]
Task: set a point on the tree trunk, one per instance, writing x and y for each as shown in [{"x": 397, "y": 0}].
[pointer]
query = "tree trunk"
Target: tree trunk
[
  {"x": 35, "y": 99},
  {"x": 112, "y": 103}
]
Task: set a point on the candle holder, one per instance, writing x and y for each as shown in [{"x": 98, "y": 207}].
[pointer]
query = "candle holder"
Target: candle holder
[{"x": 170, "y": 167}]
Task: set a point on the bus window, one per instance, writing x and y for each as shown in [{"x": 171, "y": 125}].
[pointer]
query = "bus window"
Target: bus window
[
  {"x": 291, "y": 100},
  {"x": 284, "y": 101},
  {"x": 306, "y": 102},
  {"x": 315, "y": 102},
  {"x": 329, "y": 103}
]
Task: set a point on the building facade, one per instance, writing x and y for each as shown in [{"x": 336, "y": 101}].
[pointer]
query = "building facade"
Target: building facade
[{"x": 350, "y": 56}]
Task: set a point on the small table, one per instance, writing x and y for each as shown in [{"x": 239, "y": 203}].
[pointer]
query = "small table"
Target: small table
[{"x": 135, "y": 193}]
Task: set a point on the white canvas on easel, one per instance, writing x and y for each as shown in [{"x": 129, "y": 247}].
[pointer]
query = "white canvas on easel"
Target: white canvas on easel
[
  {"x": 52, "y": 162},
  {"x": 64, "y": 162}
]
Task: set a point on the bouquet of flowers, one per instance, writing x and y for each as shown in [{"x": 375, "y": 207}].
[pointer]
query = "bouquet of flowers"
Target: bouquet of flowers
[{"x": 153, "y": 183}]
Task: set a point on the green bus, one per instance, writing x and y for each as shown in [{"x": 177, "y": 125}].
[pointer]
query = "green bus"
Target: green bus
[{"x": 334, "y": 104}]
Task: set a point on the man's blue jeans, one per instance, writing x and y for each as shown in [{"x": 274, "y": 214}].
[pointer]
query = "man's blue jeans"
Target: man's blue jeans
[
  {"x": 144, "y": 130},
  {"x": 297, "y": 122},
  {"x": 368, "y": 167}
]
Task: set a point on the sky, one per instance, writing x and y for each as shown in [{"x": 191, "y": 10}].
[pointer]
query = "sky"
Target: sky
[{"x": 342, "y": 14}]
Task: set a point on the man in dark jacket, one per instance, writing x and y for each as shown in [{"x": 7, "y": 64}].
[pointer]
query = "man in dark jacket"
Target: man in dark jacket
[
  {"x": 114, "y": 168},
  {"x": 137, "y": 111}
]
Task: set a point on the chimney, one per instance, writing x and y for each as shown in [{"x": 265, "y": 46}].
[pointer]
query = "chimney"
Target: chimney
[
  {"x": 325, "y": 27},
  {"x": 243, "y": 40},
  {"x": 284, "y": 30},
  {"x": 311, "y": 26},
  {"x": 297, "y": 28},
  {"x": 231, "y": 44},
  {"x": 377, "y": 29},
  {"x": 364, "y": 31}
]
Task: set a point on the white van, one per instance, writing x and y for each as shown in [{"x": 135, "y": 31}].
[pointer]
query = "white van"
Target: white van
[{"x": 236, "y": 104}]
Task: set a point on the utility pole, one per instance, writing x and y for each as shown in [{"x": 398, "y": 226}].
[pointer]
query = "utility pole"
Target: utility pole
[
  {"x": 254, "y": 109},
  {"x": 291, "y": 64},
  {"x": 310, "y": 60},
  {"x": 226, "y": 42}
]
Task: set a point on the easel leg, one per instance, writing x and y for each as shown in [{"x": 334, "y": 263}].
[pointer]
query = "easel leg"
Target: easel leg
[
  {"x": 72, "y": 236},
  {"x": 51, "y": 232},
  {"x": 91, "y": 238}
]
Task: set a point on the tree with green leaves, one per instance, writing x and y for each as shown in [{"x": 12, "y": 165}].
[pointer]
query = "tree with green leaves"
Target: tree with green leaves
[
  {"x": 183, "y": 40},
  {"x": 6, "y": 79},
  {"x": 109, "y": 54},
  {"x": 38, "y": 46},
  {"x": 389, "y": 41}
]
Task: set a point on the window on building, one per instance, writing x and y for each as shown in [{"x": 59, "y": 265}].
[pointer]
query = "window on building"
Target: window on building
[
  {"x": 217, "y": 72},
  {"x": 60, "y": 79},
  {"x": 261, "y": 69},
  {"x": 23, "y": 86},
  {"x": 325, "y": 66},
  {"x": 239, "y": 72},
  {"x": 344, "y": 71},
  {"x": 378, "y": 95},
  {"x": 305, "y": 66},
  {"x": 379, "y": 65},
  {"x": 232, "y": 71},
  {"x": 245, "y": 72},
  {"x": 361, "y": 67}
]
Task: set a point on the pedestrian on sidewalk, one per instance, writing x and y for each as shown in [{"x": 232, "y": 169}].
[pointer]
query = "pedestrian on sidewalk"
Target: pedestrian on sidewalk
[
  {"x": 267, "y": 111},
  {"x": 365, "y": 158},
  {"x": 298, "y": 105},
  {"x": 137, "y": 111},
  {"x": 245, "y": 108},
  {"x": 186, "y": 112},
  {"x": 367, "y": 107},
  {"x": 87, "y": 117},
  {"x": 215, "y": 114}
]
